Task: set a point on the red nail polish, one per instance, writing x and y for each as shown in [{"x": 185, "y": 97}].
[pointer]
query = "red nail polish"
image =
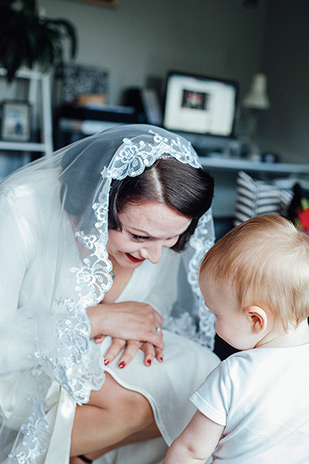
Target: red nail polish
[
  {"x": 106, "y": 361},
  {"x": 122, "y": 364},
  {"x": 148, "y": 362},
  {"x": 161, "y": 358}
]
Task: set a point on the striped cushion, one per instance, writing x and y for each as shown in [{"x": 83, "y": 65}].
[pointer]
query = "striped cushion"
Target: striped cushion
[{"x": 255, "y": 197}]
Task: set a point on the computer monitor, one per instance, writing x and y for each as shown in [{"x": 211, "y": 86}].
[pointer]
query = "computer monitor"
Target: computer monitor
[{"x": 200, "y": 104}]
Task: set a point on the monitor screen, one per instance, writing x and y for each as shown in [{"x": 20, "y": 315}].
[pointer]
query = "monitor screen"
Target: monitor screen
[{"x": 200, "y": 104}]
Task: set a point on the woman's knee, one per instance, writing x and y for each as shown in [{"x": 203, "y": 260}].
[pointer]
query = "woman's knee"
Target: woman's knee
[{"x": 132, "y": 407}]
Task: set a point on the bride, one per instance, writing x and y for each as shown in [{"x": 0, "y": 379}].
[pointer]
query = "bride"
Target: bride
[{"x": 104, "y": 334}]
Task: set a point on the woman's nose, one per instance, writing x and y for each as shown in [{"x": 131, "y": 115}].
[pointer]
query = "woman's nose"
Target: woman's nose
[{"x": 152, "y": 252}]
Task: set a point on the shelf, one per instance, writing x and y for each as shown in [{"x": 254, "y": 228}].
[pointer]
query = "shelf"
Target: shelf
[
  {"x": 246, "y": 165},
  {"x": 38, "y": 82},
  {"x": 86, "y": 127},
  {"x": 23, "y": 146},
  {"x": 24, "y": 74}
]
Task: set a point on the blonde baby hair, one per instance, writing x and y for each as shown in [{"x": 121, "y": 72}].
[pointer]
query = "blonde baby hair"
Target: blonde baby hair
[{"x": 265, "y": 261}]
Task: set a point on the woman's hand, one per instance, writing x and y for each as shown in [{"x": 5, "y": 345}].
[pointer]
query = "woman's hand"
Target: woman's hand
[
  {"x": 129, "y": 320},
  {"x": 131, "y": 348}
]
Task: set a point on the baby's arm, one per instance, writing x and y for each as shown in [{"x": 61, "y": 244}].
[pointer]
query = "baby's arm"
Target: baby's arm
[{"x": 196, "y": 443}]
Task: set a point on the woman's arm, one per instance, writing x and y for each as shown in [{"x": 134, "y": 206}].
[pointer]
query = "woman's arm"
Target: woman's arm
[{"x": 18, "y": 329}]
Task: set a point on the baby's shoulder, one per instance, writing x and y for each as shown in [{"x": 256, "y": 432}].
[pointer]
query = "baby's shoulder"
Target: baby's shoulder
[
  {"x": 242, "y": 362},
  {"x": 259, "y": 361}
]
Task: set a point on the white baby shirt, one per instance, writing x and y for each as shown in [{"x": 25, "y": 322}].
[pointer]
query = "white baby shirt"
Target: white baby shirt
[{"x": 261, "y": 396}]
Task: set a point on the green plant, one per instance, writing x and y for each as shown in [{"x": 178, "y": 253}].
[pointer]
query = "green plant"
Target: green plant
[{"x": 28, "y": 39}]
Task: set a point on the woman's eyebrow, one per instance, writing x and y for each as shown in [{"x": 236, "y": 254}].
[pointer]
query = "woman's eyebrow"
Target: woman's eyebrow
[
  {"x": 144, "y": 233},
  {"x": 140, "y": 231}
]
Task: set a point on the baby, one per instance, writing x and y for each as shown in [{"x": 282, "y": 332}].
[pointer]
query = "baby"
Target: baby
[{"x": 254, "y": 407}]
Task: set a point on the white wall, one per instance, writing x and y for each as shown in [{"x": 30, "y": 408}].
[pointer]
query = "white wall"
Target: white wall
[
  {"x": 149, "y": 37},
  {"x": 286, "y": 63}
]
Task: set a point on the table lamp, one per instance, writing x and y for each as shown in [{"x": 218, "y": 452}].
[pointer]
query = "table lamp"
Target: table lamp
[{"x": 255, "y": 101}]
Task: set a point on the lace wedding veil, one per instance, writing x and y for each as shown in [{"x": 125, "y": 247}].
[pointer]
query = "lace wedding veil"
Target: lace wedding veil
[{"x": 44, "y": 206}]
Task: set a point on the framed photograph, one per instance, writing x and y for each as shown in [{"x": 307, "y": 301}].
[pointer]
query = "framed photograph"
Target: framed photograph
[
  {"x": 200, "y": 104},
  {"x": 15, "y": 121}
]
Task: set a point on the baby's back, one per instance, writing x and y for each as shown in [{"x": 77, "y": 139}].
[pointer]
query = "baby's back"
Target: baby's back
[{"x": 263, "y": 395}]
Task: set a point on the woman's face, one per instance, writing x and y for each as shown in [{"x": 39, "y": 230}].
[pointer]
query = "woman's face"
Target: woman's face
[{"x": 146, "y": 228}]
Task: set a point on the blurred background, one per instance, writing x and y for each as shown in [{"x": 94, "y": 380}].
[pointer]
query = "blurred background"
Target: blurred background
[{"x": 125, "y": 50}]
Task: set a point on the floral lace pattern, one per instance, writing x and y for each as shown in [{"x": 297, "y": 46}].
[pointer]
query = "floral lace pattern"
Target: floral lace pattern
[
  {"x": 204, "y": 334},
  {"x": 135, "y": 154},
  {"x": 34, "y": 436},
  {"x": 202, "y": 241}
]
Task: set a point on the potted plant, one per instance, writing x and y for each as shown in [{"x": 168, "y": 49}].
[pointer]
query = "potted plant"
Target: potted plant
[{"x": 27, "y": 39}]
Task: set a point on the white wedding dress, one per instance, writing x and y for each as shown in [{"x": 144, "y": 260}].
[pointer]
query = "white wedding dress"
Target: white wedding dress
[
  {"x": 47, "y": 365},
  {"x": 166, "y": 386}
]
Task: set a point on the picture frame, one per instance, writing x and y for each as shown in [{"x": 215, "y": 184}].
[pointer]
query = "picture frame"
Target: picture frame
[
  {"x": 200, "y": 104},
  {"x": 15, "y": 121}
]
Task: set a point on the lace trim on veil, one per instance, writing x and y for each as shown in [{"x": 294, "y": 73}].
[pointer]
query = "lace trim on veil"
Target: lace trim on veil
[
  {"x": 185, "y": 325},
  {"x": 33, "y": 437}
]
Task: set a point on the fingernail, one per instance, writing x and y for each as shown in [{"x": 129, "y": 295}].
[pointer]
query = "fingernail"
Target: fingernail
[
  {"x": 106, "y": 361},
  {"x": 148, "y": 362},
  {"x": 161, "y": 358},
  {"x": 122, "y": 364}
]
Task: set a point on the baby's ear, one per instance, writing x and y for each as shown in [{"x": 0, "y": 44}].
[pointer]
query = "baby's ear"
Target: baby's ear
[{"x": 257, "y": 317}]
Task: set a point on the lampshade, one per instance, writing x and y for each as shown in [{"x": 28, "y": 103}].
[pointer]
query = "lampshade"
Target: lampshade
[{"x": 257, "y": 97}]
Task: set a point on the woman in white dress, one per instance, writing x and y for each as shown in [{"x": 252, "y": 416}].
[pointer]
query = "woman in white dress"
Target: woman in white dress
[{"x": 95, "y": 262}]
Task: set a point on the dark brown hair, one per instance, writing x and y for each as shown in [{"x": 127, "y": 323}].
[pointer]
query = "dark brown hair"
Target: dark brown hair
[{"x": 180, "y": 186}]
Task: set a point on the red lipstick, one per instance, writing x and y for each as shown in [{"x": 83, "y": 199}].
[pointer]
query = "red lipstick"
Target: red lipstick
[{"x": 133, "y": 259}]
